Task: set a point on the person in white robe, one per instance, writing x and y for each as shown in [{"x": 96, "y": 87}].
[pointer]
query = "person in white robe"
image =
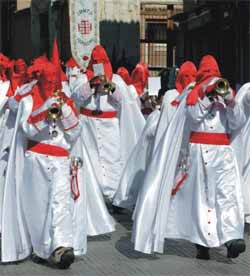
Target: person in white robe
[
  {"x": 242, "y": 147},
  {"x": 38, "y": 205},
  {"x": 111, "y": 121},
  {"x": 134, "y": 172},
  {"x": 206, "y": 206}
]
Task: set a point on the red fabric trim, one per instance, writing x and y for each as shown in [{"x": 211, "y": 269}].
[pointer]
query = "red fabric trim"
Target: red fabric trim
[
  {"x": 178, "y": 185},
  {"x": 46, "y": 149},
  {"x": 39, "y": 117},
  {"x": 10, "y": 92},
  {"x": 67, "y": 129},
  {"x": 103, "y": 114},
  {"x": 175, "y": 103},
  {"x": 209, "y": 138},
  {"x": 19, "y": 97}
]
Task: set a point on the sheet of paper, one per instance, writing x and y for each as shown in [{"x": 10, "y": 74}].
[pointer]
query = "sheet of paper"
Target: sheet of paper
[
  {"x": 154, "y": 85},
  {"x": 98, "y": 69}
]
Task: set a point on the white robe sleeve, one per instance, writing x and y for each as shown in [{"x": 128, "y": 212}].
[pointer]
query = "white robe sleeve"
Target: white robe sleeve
[
  {"x": 33, "y": 129},
  {"x": 71, "y": 123},
  {"x": 197, "y": 112},
  {"x": 236, "y": 116},
  {"x": 115, "y": 98},
  {"x": 81, "y": 90}
]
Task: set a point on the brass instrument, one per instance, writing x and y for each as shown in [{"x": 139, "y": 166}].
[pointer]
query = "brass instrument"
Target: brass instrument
[
  {"x": 102, "y": 80},
  {"x": 109, "y": 87},
  {"x": 221, "y": 87},
  {"x": 55, "y": 113}
]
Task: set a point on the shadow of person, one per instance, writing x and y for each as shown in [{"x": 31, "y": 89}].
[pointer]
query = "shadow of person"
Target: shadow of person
[
  {"x": 126, "y": 248},
  {"x": 187, "y": 249}
]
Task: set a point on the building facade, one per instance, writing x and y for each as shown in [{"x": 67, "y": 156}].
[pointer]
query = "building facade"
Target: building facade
[
  {"x": 130, "y": 30},
  {"x": 220, "y": 28}
]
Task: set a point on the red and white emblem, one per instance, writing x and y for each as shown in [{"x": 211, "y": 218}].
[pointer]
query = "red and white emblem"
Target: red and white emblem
[{"x": 85, "y": 27}]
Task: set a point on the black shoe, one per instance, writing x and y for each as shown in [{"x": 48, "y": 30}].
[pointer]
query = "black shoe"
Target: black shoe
[
  {"x": 117, "y": 210},
  {"x": 62, "y": 257},
  {"x": 202, "y": 252},
  {"x": 38, "y": 260},
  {"x": 235, "y": 248}
]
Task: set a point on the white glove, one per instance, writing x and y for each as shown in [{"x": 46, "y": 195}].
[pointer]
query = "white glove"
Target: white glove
[
  {"x": 229, "y": 96},
  {"x": 66, "y": 110}
]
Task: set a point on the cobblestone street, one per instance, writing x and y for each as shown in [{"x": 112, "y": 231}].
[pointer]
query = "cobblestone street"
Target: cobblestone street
[{"x": 114, "y": 255}]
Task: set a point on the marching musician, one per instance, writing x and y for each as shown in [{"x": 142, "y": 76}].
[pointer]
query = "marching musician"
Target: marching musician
[
  {"x": 165, "y": 107},
  {"x": 47, "y": 126},
  {"x": 206, "y": 206},
  {"x": 111, "y": 122}
]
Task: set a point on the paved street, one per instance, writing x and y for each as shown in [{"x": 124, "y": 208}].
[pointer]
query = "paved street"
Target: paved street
[{"x": 114, "y": 255}]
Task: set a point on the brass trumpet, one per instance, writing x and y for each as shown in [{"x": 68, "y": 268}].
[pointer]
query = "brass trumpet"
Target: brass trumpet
[
  {"x": 107, "y": 85},
  {"x": 55, "y": 112},
  {"x": 221, "y": 87}
]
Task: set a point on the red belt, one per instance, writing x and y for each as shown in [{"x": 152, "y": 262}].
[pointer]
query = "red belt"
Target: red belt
[
  {"x": 98, "y": 113},
  {"x": 46, "y": 149},
  {"x": 210, "y": 138}
]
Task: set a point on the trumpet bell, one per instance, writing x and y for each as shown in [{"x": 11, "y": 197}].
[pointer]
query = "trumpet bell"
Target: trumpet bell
[
  {"x": 54, "y": 113},
  {"x": 222, "y": 86}
]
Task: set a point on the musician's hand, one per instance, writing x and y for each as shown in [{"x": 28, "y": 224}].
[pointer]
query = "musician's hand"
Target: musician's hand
[
  {"x": 228, "y": 96},
  {"x": 66, "y": 110}
]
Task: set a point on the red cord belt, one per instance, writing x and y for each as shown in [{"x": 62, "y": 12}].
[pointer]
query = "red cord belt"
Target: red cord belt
[
  {"x": 98, "y": 113},
  {"x": 210, "y": 138}
]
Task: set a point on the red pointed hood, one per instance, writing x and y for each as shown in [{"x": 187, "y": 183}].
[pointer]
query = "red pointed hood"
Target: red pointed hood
[
  {"x": 99, "y": 55},
  {"x": 139, "y": 77},
  {"x": 4, "y": 64},
  {"x": 55, "y": 59},
  {"x": 48, "y": 82},
  {"x": 123, "y": 72},
  {"x": 186, "y": 75},
  {"x": 208, "y": 69}
]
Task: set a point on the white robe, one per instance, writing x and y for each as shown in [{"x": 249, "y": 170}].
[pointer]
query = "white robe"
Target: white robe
[
  {"x": 109, "y": 141},
  {"x": 38, "y": 206},
  {"x": 4, "y": 113},
  {"x": 242, "y": 144},
  {"x": 167, "y": 214},
  {"x": 133, "y": 174},
  {"x": 208, "y": 208},
  {"x": 7, "y": 130}
]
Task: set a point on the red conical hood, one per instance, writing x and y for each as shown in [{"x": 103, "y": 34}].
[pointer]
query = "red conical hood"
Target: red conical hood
[
  {"x": 208, "y": 69},
  {"x": 123, "y": 72},
  {"x": 99, "y": 55},
  {"x": 139, "y": 77},
  {"x": 55, "y": 59},
  {"x": 186, "y": 75}
]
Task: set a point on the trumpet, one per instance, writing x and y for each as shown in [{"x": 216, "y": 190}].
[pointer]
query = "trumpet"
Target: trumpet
[
  {"x": 55, "y": 111},
  {"x": 221, "y": 87},
  {"x": 102, "y": 80},
  {"x": 109, "y": 87}
]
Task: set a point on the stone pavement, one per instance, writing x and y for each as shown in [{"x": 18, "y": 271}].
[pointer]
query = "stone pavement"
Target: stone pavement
[{"x": 113, "y": 255}]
